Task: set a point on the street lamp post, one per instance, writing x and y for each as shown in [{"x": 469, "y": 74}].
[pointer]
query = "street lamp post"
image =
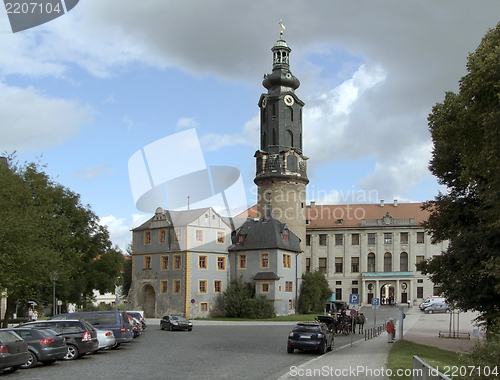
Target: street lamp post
[{"x": 54, "y": 278}]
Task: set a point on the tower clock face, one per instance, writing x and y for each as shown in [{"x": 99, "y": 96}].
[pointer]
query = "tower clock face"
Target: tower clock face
[
  {"x": 289, "y": 100},
  {"x": 264, "y": 103}
]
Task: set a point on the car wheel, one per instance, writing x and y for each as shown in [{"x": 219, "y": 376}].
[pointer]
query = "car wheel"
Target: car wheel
[
  {"x": 72, "y": 353},
  {"x": 290, "y": 350},
  {"x": 430, "y": 312},
  {"x": 32, "y": 361},
  {"x": 48, "y": 362},
  {"x": 447, "y": 311},
  {"x": 116, "y": 345},
  {"x": 323, "y": 348},
  {"x": 190, "y": 329},
  {"x": 161, "y": 326}
]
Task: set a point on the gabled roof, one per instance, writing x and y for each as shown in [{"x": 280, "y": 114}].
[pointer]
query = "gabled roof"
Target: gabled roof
[
  {"x": 166, "y": 218},
  {"x": 266, "y": 233}
]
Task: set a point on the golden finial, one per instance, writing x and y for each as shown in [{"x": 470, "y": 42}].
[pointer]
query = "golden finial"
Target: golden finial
[{"x": 282, "y": 27}]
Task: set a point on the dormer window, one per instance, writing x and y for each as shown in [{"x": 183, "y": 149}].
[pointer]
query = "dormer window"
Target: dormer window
[
  {"x": 285, "y": 235},
  {"x": 241, "y": 238}
]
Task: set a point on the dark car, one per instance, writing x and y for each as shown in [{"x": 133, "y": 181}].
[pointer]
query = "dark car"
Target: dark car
[
  {"x": 437, "y": 308},
  {"x": 81, "y": 337},
  {"x": 114, "y": 320},
  {"x": 310, "y": 336},
  {"x": 44, "y": 346},
  {"x": 175, "y": 322},
  {"x": 13, "y": 351}
]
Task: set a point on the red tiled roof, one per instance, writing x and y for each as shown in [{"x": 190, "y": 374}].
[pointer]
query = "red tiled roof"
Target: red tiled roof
[{"x": 326, "y": 216}]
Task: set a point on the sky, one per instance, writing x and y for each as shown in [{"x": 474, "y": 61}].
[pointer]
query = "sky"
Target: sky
[{"x": 84, "y": 92}]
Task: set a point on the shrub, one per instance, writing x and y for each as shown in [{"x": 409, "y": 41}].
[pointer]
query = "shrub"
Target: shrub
[
  {"x": 240, "y": 302},
  {"x": 314, "y": 292}
]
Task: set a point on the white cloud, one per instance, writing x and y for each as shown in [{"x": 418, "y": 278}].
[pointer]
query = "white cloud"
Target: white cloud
[
  {"x": 186, "y": 122},
  {"x": 120, "y": 228},
  {"x": 248, "y": 136},
  {"x": 30, "y": 120},
  {"x": 94, "y": 172}
]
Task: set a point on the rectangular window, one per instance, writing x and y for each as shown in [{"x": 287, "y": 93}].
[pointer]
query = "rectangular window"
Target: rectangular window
[
  {"x": 178, "y": 235},
  {"x": 203, "y": 306},
  {"x": 202, "y": 285},
  {"x": 288, "y": 286},
  {"x": 177, "y": 261},
  {"x": 388, "y": 238},
  {"x": 420, "y": 292},
  {"x": 355, "y": 282},
  {"x": 355, "y": 264},
  {"x": 420, "y": 238},
  {"x": 419, "y": 259},
  {"x": 339, "y": 239},
  {"x": 264, "y": 287},
  {"x": 322, "y": 264},
  {"x": 354, "y": 290},
  {"x": 279, "y": 287},
  {"x": 221, "y": 238},
  {"x": 177, "y": 286},
  {"x": 308, "y": 240},
  {"x": 164, "y": 287},
  {"x": 164, "y": 262},
  {"x": 218, "y": 286},
  {"x": 242, "y": 262},
  {"x": 355, "y": 239},
  {"x": 147, "y": 262},
  {"x": 338, "y": 265},
  {"x": 404, "y": 237},
  {"x": 241, "y": 238},
  {"x": 221, "y": 263},
  {"x": 287, "y": 261},
  {"x": 199, "y": 235},
  {"x": 372, "y": 238},
  {"x": 264, "y": 260},
  {"x": 338, "y": 294},
  {"x": 338, "y": 282},
  {"x": 370, "y": 261},
  {"x": 308, "y": 264},
  {"x": 285, "y": 235},
  {"x": 420, "y": 281},
  {"x": 147, "y": 237},
  {"x": 202, "y": 262},
  {"x": 322, "y": 239},
  {"x": 163, "y": 236}
]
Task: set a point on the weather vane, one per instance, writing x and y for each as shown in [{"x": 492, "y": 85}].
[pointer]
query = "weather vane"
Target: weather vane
[{"x": 282, "y": 28}]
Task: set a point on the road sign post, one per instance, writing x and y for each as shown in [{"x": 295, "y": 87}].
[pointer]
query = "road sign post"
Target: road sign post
[{"x": 375, "y": 305}]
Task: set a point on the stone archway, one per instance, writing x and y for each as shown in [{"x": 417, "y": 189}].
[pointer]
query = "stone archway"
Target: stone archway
[
  {"x": 148, "y": 301},
  {"x": 387, "y": 293}
]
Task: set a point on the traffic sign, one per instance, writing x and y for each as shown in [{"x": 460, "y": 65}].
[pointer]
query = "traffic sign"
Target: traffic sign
[
  {"x": 375, "y": 301},
  {"x": 353, "y": 313},
  {"x": 354, "y": 298}
]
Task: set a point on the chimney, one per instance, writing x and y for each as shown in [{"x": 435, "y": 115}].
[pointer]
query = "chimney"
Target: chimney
[
  {"x": 313, "y": 205},
  {"x": 395, "y": 203},
  {"x": 381, "y": 203}
]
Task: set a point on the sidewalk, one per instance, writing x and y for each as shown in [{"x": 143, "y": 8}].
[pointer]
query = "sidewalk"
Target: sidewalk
[{"x": 367, "y": 359}]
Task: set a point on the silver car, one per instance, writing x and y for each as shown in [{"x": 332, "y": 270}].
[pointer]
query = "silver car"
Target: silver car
[
  {"x": 106, "y": 338},
  {"x": 437, "y": 308}
]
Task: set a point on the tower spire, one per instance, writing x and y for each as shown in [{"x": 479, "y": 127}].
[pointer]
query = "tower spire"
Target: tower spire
[{"x": 282, "y": 28}]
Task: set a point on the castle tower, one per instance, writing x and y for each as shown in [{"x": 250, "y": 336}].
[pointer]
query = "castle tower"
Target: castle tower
[{"x": 281, "y": 174}]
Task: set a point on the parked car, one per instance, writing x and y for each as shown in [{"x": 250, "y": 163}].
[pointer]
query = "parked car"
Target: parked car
[
  {"x": 138, "y": 315},
  {"x": 44, "y": 346},
  {"x": 114, "y": 320},
  {"x": 13, "y": 351},
  {"x": 430, "y": 301},
  {"x": 106, "y": 339},
  {"x": 175, "y": 322},
  {"x": 310, "y": 336},
  {"x": 81, "y": 337},
  {"x": 437, "y": 308},
  {"x": 135, "y": 326}
]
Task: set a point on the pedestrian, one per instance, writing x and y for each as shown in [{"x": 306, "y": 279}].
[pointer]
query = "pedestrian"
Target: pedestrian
[{"x": 390, "y": 331}]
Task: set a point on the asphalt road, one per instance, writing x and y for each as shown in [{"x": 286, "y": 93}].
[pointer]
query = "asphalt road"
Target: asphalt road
[{"x": 253, "y": 352}]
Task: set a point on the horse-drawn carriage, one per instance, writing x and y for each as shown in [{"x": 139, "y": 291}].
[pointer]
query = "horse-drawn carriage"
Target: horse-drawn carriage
[{"x": 340, "y": 323}]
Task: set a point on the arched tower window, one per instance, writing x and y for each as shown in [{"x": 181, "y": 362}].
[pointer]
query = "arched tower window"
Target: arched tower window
[
  {"x": 264, "y": 140},
  {"x": 289, "y": 138},
  {"x": 403, "y": 262},
  {"x": 274, "y": 110},
  {"x": 274, "y": 136},
  {"x": 370, "y": 261},
  {"x": 387, "y": 262}
]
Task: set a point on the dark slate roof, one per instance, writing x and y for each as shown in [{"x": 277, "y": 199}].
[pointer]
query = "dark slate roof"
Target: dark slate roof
[
  {"x": 266, "y": 276},
  {"x": 266, "y": 233}
]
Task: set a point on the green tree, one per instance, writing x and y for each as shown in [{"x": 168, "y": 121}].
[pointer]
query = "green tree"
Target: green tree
[
  {"x": 314, "y": 292},
  {"x": 240, "y": 302},
  {"x": 44, "y": 228},
  {"x": 465, "y": 130}
]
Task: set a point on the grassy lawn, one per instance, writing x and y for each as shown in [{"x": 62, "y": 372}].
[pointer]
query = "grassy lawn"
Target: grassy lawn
[
  {"x": 401, "y": 357},
  {"x": 284, "y": 318}
]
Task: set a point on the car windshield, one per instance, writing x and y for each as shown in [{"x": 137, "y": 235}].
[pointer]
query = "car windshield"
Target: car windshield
[
  {"x": 307, "y": 328},
  {"x": 178, "y": 318}
]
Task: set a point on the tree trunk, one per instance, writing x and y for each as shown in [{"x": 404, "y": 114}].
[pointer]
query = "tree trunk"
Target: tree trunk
[{"x": 5, "y": 323}]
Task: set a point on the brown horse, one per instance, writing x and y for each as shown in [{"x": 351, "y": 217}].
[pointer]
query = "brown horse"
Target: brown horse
[{"x": 359, "y": 320}]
